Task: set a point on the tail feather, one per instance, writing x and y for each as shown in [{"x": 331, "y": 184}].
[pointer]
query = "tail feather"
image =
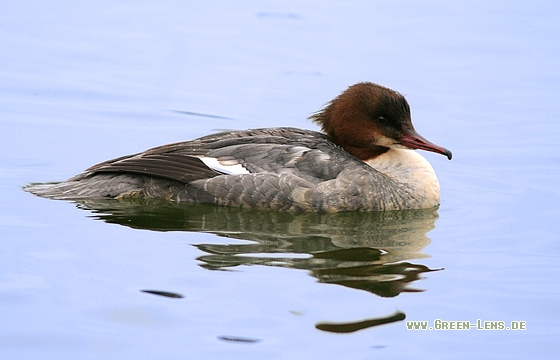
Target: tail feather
[{"x": 94, "y": 187}]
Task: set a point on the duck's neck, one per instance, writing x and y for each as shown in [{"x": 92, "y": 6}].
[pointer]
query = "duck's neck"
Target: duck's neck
[{"x": 411, "y": 169}]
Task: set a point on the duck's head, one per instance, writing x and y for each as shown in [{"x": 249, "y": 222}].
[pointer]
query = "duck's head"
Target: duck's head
[{"x": 367, "y": 119}]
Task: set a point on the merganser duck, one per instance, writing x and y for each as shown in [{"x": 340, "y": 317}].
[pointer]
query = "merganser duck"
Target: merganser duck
[{"x": 363, "y": 161}]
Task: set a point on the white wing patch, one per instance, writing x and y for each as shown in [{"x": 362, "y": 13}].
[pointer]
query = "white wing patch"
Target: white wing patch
[{"x": 227, "y": 167}]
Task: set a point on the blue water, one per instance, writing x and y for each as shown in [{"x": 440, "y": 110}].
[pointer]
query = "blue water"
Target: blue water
[{"x": 83, "y": 83}]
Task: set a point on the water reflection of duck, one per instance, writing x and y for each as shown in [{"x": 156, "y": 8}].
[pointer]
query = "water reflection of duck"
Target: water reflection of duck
[
  {"x": 370, "y": 251},
  {"x": 362, "y": 163}
]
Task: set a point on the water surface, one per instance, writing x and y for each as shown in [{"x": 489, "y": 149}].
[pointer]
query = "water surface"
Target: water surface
[{"x": 83, "y": 83}]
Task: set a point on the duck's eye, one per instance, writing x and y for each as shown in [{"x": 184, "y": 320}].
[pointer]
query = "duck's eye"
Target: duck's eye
[{"x": 382, "y": 120}]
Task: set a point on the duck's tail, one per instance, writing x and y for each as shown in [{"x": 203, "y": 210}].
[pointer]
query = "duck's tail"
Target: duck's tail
[
  {"x": 68, "y": 190},
  {"x": 107, "y": 186}
]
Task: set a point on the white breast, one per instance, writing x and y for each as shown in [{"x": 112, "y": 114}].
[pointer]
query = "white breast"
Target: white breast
[{"x": 410, "y": 168}]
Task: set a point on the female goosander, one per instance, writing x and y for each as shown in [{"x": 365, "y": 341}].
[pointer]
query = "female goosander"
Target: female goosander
[{"x": 363, "y": 162}]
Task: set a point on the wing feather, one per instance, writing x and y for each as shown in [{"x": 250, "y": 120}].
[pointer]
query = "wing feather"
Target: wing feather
[
  {"x": 308, "y": 154},
  {"x": 167, "y": 165}
]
